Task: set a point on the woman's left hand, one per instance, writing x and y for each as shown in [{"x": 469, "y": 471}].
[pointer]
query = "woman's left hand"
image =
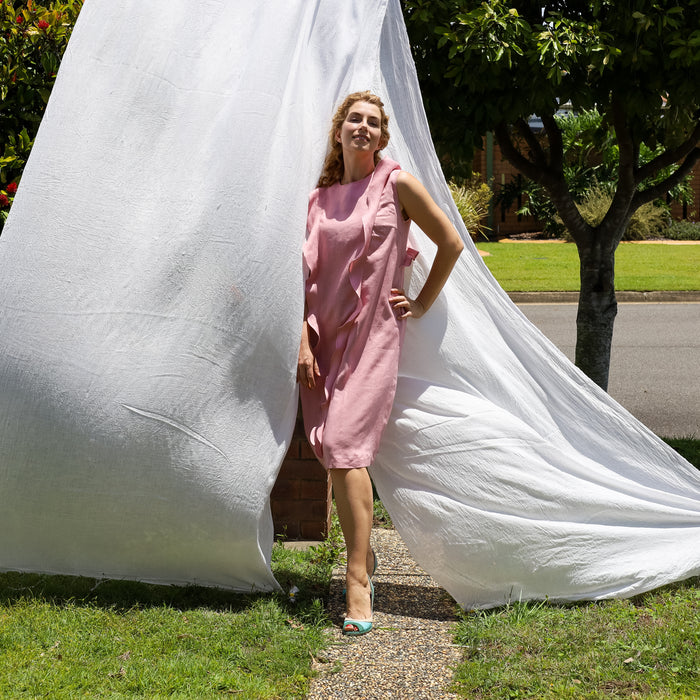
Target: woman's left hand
[{"x": 407, "y": 308}]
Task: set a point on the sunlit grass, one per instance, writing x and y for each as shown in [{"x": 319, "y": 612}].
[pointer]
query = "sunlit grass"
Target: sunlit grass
[
  {"x": 528, "y": 267},
  {"x": 646, "y": 647},
  {"x": 66, "y": 637}
]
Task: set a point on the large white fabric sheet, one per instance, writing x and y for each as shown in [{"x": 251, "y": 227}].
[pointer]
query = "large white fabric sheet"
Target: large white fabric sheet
[{"x": 151, "y": 307}]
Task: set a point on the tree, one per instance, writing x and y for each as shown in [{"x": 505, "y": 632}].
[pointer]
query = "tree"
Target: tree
[{"x": 489, "y": 66}]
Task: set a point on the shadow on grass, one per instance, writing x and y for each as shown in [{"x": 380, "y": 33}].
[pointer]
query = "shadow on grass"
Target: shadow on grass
[
  {"x": 520, "y": 610},
  {"x": 290, "y": 569},
  {"x": 117, "y": 594}
]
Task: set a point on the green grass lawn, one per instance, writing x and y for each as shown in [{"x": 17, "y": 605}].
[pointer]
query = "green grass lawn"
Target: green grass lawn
[
  {"x": 537, "y": 267},
  {"x": 645, "y": 647},
  {"x": 66, "y": 637}
]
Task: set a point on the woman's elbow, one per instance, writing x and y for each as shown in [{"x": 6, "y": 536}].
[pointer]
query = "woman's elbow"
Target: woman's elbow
[{"x": 454, "y": 245}]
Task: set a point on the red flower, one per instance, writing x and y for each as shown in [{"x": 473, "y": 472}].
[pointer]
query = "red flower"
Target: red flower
[
  {"x": 43, "y": 24},
  {"x": 4, "y": 201},
  {"x": 20, "y": 19},
  {"x": 12, "y": 188}
]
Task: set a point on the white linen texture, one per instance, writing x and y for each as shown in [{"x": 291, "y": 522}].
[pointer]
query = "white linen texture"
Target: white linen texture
[{"x": 152, "y": 300}]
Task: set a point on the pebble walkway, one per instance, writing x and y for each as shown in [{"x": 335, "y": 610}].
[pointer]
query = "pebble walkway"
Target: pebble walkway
[{"x": 409, "y": 654}]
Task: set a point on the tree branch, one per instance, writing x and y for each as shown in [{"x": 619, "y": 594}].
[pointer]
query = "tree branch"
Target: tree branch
[
  {"x": 617, "y": 217},
  {"x": 629, "y": 149},
  {"x": 514, "y": 156},
  {"x": 581, "y": 231},
  {"x": 661, "y": 188},
  {"x": 556, "y": 144},
  {"x": 669, "y": 156},
  {"x": 539, "y": 156}
]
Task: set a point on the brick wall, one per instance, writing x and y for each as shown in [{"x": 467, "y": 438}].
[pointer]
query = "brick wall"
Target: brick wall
[{"x": 301, "y": 497}]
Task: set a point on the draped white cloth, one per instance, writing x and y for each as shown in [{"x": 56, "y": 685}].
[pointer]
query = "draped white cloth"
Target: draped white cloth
[{"x": 151, "y": 305}]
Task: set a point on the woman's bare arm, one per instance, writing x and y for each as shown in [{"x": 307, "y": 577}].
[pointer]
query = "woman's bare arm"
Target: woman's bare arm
[{"x": 421, "y": 208}]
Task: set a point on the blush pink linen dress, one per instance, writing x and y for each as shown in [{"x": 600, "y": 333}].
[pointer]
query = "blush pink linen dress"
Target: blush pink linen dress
[{"x": 355, "y": 252}]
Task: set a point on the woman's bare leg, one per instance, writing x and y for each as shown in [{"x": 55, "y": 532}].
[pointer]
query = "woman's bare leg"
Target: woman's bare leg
[{"x": 354, "y": 503}]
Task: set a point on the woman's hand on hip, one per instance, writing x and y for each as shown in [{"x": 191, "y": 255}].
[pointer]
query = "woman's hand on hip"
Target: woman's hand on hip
[
  {"x": 307, "y": 367},
  {"x": 407, "y": 308}
]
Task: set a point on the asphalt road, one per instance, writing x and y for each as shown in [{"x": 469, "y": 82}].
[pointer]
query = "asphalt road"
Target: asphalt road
[{"x": 655, "y": 362}]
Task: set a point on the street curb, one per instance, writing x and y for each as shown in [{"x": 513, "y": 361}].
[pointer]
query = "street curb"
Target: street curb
[{"x": 622, "y": 297}]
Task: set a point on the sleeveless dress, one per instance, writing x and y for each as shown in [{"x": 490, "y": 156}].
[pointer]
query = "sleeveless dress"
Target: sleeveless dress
[{"x": 355, "y": 252}]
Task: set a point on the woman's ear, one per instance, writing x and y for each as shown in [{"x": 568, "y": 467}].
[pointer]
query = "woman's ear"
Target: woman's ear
[{"x": 337, "y": 136}]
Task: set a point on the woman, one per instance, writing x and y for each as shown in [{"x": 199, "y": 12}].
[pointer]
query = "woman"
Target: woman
[{"x": 355, "y": 316}]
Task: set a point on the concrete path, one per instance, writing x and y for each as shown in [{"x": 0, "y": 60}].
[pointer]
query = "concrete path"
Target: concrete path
[{"x": 409, "y": 655}]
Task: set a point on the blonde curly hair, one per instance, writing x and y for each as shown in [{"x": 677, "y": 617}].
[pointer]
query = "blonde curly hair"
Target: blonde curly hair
[{"x": 334, "y": 167}]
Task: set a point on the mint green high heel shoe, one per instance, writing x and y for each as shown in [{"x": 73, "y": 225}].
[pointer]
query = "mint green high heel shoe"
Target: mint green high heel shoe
[{"x": 355, "y": 628}]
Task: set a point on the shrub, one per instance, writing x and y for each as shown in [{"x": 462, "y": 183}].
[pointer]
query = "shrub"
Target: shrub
[
  {"x": 472, "y": 200},
  {"x": 33, "y": 38},
  {"x": 649, "y": 221},
  {"x": 684, "y": 231}
]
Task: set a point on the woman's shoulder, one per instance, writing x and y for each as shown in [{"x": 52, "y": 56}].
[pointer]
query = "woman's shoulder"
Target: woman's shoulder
[
  {"x": 407, "y": 183},
  {"x": 316, "y": 195}
]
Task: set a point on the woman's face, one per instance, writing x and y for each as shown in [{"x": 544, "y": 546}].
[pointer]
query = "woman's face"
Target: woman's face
[{"x": 362, "y": 128}]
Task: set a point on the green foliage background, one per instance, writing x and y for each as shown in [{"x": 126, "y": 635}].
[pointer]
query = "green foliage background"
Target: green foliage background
[
  {"x": 33, "y": 38},
  {"x": 481, "y": 64}
]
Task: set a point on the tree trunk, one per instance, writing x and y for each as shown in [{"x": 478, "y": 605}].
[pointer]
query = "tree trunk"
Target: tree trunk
[{"x": 597, "y": 308}]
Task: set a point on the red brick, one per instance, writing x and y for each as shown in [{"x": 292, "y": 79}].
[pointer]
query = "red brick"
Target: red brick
[
  {"x": 302, "y": 492},
  {"x": 288, "y": 511},
  {"x": 298, "y": 469},
  {"x": 315, "y": 471},
  {"x": 291, "y": 531},
  {"x": 294, "y": 451},
  {"x": 305, "y": 451},
  {"x": 287, "y": 489},
  {"x": 315, "y": 509},
  {"x": 313, "y": 490},
  {"x": 313, "y": 529}
]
